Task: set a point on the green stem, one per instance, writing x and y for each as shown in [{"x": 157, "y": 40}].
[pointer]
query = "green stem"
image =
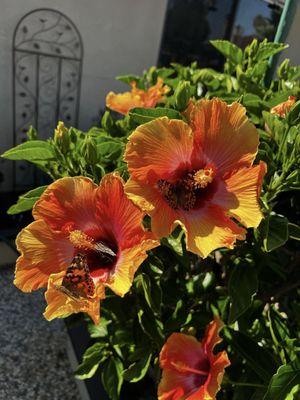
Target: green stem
[{"x": 257, "y": 385}]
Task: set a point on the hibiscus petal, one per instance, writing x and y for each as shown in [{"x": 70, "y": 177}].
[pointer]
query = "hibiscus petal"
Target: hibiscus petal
[
  {"x": 228, "y": 139},
  {"x": 211, "y": 337},
  {"x": 174, "y": 385},
  {"x": 121, "y": 279},
  {"x": 123, "y": 102},
  {"x": 209, "y": 228},
  {"x": 43, "y": 252},
  {"x": 239, "y": 194},
  {"x": 181, "y": 350},
  {"x": 118, "y": 214},
  {"x": 68, "y": 203},
  {"x": 213, "y": 384},
  {"x": 159, "y": 149},
  {"x": 180, "y": 359},
  {"x": 61, "y": 305},
  {"x": 178, "y": 353},
  {"x": 218, "y": 362},
  {"x": 150, "y": 200}
]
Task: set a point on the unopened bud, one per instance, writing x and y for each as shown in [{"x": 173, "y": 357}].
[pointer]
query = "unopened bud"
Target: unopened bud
[
  {"x": 90, "y": 151},
  {"x": 152, "y": 75},
  {"x": 189, "y": 331},
  {"x": 107, "y": 121},
  {"x": 61, "y": 137},
  {"x": 32, "y": 133},
  {"x": 283, "y": 69},
  {"x": 182, "y": 95}
]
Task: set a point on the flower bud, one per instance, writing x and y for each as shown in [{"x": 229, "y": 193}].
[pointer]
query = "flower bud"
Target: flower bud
[
  {"x": 283, "y": 69},
  {"x": 107, "y": 121},
  {"x": 61, "y": 137},
  {"x": 152, "y": 75},
  {"x": 31, "y": 133},
  {"x": 182, "y": 95},
  {"x": 90, "y": 151}
]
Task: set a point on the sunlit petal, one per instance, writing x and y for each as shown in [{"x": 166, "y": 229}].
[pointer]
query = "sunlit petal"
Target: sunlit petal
[{"x": 43, "y": 252}]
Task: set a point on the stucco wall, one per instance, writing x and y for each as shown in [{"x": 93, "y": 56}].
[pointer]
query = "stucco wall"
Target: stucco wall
[
  {"x": 292, "y": 34},
  {"x": 119, "y": 36}
]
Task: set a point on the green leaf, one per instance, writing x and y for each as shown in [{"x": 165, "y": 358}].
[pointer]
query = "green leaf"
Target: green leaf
[
  {"x": 268, "y": 49},
  {"x": 229, "y": 50},
  {"x": 100, "y": 330},
  {"x": 165, "y": 72},
  {"x": 179, "y": 318},
  {"x": 142, "y": 115},
  {"x": 259, "y": 70},
  {"x": 275, "y": 231},
  {"x": 277, "y": 98},
  {"x": 258, "y": 359},
  {"x": 31, "y": 151},
  {"x": 251, "y": 100},
  {"x": 242, "y": 287},
  {"x": 294, "y": 231},
  {"x": 112, "y": 377},
  {"x": 206, "y": 75},
  {"x": 175, "y": 243},
  {"x": 128, "y": 78},
  {"x": 152, "y": 292},
  {"x": 152, "y": 327},
  {"x": 283, "y": 381},
  {"x": 138, "y": 369},
  {"x": 293, "y": 116},
  {"x": 26, "y": 201},
  {"x": 182, "y": 95},
  {"x": 110, "y": 149},
  {"x": 92, "y": 357}
]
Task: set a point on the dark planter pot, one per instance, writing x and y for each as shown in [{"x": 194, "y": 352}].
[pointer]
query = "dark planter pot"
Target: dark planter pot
[{"x": 92, "y": 389}]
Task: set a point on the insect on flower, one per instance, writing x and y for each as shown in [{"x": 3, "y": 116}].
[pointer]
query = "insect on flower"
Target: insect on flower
[
  {"x": 84, "y": 238},
  {"x": 198, "y": 174}
]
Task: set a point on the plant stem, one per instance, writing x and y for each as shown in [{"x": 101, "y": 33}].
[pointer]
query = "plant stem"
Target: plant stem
[{"x": 257, "y": 385}]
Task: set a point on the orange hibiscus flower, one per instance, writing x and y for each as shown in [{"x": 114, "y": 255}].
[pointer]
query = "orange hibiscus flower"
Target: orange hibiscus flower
[
  {"x": 283, "y": 109},
  {"x": 84, "y": 238},
  {"x": 191, "y": 371},
  {"x": 124, "y": 102},
  {"x": 198, "y": 175}
]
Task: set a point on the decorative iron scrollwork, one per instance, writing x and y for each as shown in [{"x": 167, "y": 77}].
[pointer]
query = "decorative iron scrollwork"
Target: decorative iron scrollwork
[{"x": 47, "y": 64}]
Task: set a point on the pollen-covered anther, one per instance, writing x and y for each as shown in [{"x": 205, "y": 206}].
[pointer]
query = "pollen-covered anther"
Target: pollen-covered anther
[
  {"x": 203, "y": 177},
  {"x": 81, "y": 240}
]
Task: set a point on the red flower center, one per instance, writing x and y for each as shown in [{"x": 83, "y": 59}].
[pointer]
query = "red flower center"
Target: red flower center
[
  {"x": 185, "y": 192},
  {"x": 101, "y": 256},
  {"x": 203, "y": 368}
]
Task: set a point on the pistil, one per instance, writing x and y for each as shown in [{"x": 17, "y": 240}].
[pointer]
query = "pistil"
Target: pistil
[
  {"x": 81, "y": 241},
  {"x": 203, "y": 177}
]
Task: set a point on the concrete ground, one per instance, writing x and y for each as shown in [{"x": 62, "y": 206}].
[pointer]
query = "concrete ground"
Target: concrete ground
[{"x": 33, "y": 352}]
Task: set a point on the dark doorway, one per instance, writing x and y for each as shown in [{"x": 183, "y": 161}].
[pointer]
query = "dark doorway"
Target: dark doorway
[{"x": 190, "y": 24}]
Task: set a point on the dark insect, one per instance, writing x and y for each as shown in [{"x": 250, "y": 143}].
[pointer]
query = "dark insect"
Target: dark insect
[
  {"x": 77, "y": 282},
  {"x": 179, "y": 195},
  {"x": 106, "y": 254}
]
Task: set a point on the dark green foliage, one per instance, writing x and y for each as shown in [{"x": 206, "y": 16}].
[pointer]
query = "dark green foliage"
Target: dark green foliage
[{"x": 254, "y": 287}]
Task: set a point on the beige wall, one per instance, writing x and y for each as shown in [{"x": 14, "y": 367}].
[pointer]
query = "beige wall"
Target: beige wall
[
  {"x": 119, "y": 37},
  {"x": 293, "y": 36}
]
